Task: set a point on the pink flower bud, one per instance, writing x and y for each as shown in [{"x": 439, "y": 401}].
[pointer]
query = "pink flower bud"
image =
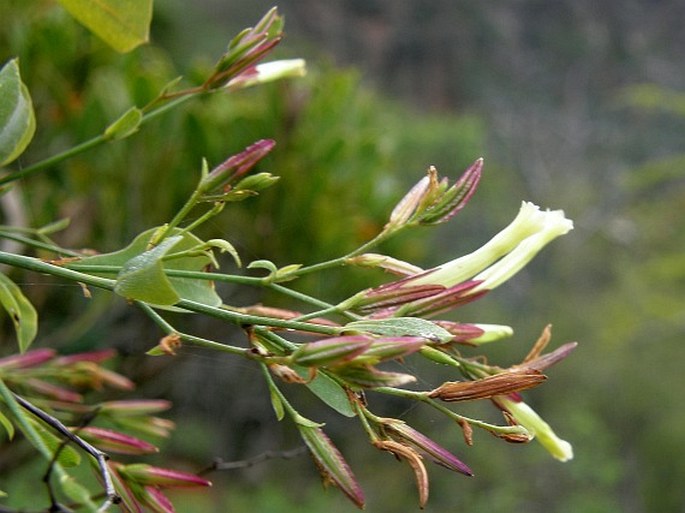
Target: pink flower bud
[
  {"x": 331, "y": 351},
  {"x": 113, "y": 441},
  {"x": 28, "y": 359},
  {"x": 235, "y": 167},
  {"x": 144, "y": 474}
]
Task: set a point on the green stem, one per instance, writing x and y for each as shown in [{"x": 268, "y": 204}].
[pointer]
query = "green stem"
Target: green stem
[
  {"x": 194, "y": 340},
  {"x": 37, "y": 244},
  {"x": 180, "y": 215},
  {"x": 234, "y": 317},
  {"x": 84, "y": 146},
  {"x": 423, "y": 397},
  {"x": 341, "y": 261}
]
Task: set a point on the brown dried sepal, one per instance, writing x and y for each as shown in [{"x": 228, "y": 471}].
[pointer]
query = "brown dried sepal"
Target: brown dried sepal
[
  {"x": 170, "y": 344},
  {"x": 540, "y": 344},
  {"x": 485, "y": 388},
  {"x": 414, "y": 459},
  {"x": 288, "y": 375},
  {"x": 467, "y": 430}
]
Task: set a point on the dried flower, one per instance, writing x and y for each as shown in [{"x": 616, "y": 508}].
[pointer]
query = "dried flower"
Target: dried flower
[
  {"x": 415, "y": 461},
  {"x": 491, "y": 386}
]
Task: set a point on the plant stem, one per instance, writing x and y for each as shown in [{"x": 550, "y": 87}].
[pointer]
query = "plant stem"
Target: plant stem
[
  {"x": 232, "y": 316},
  {"x": 423, "y": 397},
  {"x": 340, "y": 261},
  {"x": 196, "y": 341},
  {"x": 85, "y": 146}
]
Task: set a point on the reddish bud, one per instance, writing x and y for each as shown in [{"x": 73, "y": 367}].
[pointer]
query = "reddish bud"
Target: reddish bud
[
  {"x": 234, "y": 168},
  {"x": 28, "y": 359},
  {"x": 113, "y": 441},
  {"x": 144, "y": 474},
  {"x": 331, "y": 351},
  {"x": 437, "y": 452}
]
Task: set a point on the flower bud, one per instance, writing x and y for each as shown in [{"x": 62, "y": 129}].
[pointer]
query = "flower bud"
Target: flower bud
[
  {"x": 385, "y": 262},
  {"x": 227, "y": 173},
  {"x": 331, "y": 351},
  {"x": 113, "y": 441},
  {"x": 438, "y": 453},
  {"x": 28, "y": 359},
  {"x": 528, "y": 418},
  {"x": 475, "y": 334},
  {"x": 134, "y": 407},
  {"x": 144, "y": 474},
  {"x": 331, "y": 464}
]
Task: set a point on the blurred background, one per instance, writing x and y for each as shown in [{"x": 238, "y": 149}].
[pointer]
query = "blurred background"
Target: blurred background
[{"x": 575, "y": 105}]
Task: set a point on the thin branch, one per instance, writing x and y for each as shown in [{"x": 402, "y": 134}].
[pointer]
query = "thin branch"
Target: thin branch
[
  {"x": 220, "y": 464},
  {"x": 100, "y": 457}
]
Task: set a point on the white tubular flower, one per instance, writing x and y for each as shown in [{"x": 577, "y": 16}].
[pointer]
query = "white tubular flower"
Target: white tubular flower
[
  {"x": 515, "y": 245},
  {"x": 529, "y": 419},
  {"x": 269, "y": 72}
]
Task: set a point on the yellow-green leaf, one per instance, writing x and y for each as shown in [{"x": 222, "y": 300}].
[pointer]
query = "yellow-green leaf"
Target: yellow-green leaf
[
  {"x": 17, "y": 120},
  {"x": 122, "y": 24},
  {"x": 126, "y": 125},
  {"x": 21, "y": 311},
  {"x": 201, "y": 291},
  {"x": 143, "y": 277}
]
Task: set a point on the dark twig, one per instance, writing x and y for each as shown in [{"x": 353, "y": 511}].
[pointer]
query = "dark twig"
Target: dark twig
[
  {"x": 100, "y": 457},
  {"x": 220, "y": 464}
]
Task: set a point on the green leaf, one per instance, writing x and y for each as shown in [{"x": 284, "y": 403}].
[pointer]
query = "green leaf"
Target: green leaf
[
  {"x": 122, "y": 24},
  {"x": 20, "y": 310},
  {"x": 329, "y": 391},
  {"x": 17, "y": 120},
  {"x": 126, "y": 125},
  {"x": 7, "y": 424},
  {"x": 201, "y": 291},
  {"x": 143, "y": 278},
  {"x": 402, "y": 327}
]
